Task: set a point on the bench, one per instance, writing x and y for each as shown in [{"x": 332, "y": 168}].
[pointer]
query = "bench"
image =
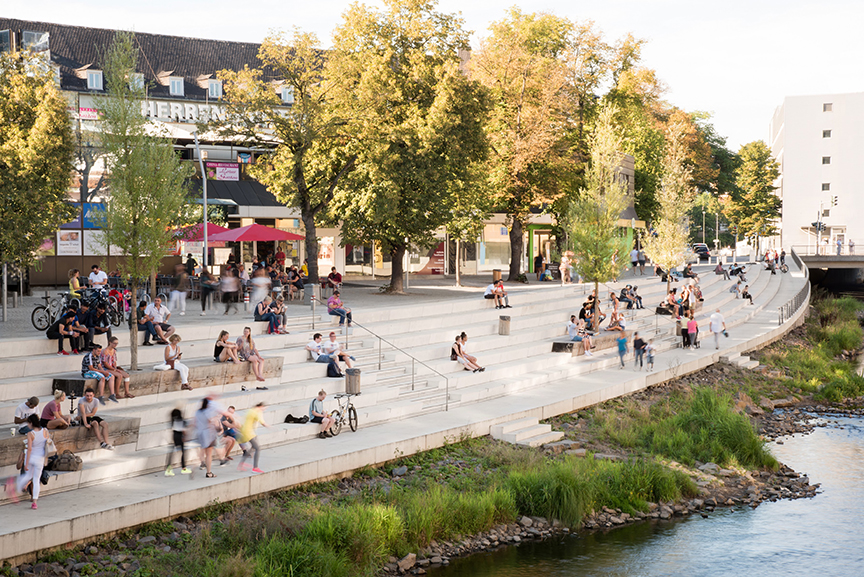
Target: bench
[
  {"x": 602, "y": 341},
  {"x": 121, "y": 431},
  {"x": 202, "y": 373}
]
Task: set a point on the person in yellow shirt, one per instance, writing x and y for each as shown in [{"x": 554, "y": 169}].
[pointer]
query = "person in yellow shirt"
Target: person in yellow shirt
[
  {"x": 304, "y": 270},
  {"x": 74, "y": 284},
  {"x": 249, "y": 439}
]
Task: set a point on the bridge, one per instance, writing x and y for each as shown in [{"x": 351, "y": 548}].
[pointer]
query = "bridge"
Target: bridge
[{"x": 827, "y": 257}]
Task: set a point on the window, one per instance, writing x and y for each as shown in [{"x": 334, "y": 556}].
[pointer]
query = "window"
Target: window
[
  {"x": 826, "y": 186},
  {"x": 136, "y": 81},
  {"x": 34, "y": 41},
  {"x": 94, "y": 80},
  {"x": 827, "y": 107},
  {"x": 5, "y": 41},
  {"x": 175, "y": 85},
  {"x": 288, "y": 94},
  {"x": 214, "y": 88},
  {"x": 826, "y": 134},
  {"x": 826, "y": 160}
]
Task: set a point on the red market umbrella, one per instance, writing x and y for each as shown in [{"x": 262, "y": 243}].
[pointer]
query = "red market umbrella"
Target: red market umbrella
[
  {"x": 195, "y": 232},
  {"x": 252, "y": 233}
]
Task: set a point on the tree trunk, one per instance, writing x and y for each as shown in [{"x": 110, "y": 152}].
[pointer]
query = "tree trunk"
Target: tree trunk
[
  {"x": 133, "y": 328},
  {"x": 597, "y": 306},
  {"x": 153, "y": 289},
  {"x": 515, "y": 249},
  {"x": 458, "y": 262},
  {"x": 397, "y": 256},
  {"x": 311, "y": 245}
]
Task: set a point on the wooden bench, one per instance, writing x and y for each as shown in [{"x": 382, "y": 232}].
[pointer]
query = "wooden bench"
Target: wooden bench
[
  {"x": 602, "y": 341},
  {"x": 121, "y": 431},
  {"x": 202, "y": 373}
]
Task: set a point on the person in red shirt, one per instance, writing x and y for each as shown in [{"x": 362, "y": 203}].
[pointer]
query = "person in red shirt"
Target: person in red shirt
[
  {"x": 279, "y": 257},
  {"x": 334, "y": 279}
]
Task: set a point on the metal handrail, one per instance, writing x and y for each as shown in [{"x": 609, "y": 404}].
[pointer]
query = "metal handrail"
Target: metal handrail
[
  {"x": 830, "y": 249},
  {"x": 787, "y": 310}
]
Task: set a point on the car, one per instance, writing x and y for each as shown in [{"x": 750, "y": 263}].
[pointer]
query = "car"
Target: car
[{"x": 702, "y": 251}]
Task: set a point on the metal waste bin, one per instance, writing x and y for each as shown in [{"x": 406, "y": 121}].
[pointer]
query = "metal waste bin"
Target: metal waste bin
[
  {"x": 496, "y": 274},
  {"x": 503, "y": 325},
  {"x": 352, "y": 381}
]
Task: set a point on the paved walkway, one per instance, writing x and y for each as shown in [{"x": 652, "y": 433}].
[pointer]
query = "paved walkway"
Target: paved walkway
[{"x": 91, "y": 511}]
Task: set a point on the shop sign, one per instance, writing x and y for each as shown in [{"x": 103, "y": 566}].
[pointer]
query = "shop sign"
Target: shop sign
[
  {"x": 69, "y": 243},
  {"x": 93, "y": 215},
  {"x": 223, "y": 171}
]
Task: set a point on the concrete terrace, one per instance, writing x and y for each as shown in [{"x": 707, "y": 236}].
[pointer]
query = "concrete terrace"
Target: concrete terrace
[{"x": 401, "y": 410}]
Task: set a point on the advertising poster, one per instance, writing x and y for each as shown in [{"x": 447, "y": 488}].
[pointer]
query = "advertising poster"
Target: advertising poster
[
  {"x": 223, "y": 171},
  {"x": 46, "y": 248},
  {"x": 435, "y": 264},
  {"x": 325, "y": 252},
  {"x": 69, "y": 243},
  {"x": 93, "y": 243},
  {"x": 76, "y": 223},
  {"x": 92, "y": 215}
]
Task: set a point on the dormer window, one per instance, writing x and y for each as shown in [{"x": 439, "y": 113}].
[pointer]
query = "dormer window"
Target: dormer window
[
  {"x": 94, "y": 80},
  {"x": 136, "y": 81},
  {"x": 214, "y": 88},
  {"x": 175, "y": 85},
  {"x": 288, "y": 95}
]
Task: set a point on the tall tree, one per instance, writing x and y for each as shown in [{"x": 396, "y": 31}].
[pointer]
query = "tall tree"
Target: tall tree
[
  {"x": 308, "y": 137},
  {"x": 36, "y": 151},
  {"x": 666, "y": 246},
  {"x": 417, "y": 119},
  {"x": 599, "y": 248},
  {"x": 146, "y": 178},
  {"x": 755, "y": 209}
]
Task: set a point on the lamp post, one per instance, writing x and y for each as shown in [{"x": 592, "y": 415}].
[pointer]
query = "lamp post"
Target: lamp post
[
  {"x": 703, "y": 227},
  {"x": 204, "y": 187}
]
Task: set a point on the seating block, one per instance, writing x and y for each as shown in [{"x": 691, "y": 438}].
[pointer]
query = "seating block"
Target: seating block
[
  {"x": 201, "y": 374},
  {"x": 604, "y": 341},
  {"x": 121, "y": 431}
]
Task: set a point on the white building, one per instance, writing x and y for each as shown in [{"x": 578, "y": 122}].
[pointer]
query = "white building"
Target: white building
[{"x": 819, "y": 143}]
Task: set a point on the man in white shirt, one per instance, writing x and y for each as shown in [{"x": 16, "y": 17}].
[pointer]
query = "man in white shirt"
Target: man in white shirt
[
  {"x": 23, "y": 411},
  {"x": 717, "y": 325},
  {"x": 159, "y": 315},
  {"x": 98, "y": 278},
  {"x": 316, "y": 351},
  {"x": 634, "y": 260},
  {"x": 334, "y": 349},
  {"x": 576, "y": 331}
]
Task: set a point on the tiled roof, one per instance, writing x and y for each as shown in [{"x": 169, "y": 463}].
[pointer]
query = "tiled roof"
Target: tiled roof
[{"x": 74, "y": 47}]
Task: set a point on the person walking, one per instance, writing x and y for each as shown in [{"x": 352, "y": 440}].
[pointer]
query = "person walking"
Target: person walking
[
  {"x": 717, "y": 325},
  {"x": 639, "y": 350},
  {"x": 692, "y": 330},
  {"x": 205, "y": 428},
  {"x": 249, "y": 439},
  {"x": 230, "y": 290},
  {"x": 649, "y": 355},
  {"x": 209, "y": 284},
  {"x": 178, "y": 289},
  {"x": 38, "y": 442},
  {"x": 622, "y": 349},
  {"x": 178, "y": 434}
]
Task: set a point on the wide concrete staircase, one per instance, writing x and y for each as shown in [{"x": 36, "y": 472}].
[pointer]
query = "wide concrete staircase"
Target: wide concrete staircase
[{"x": 402, "y": 352}]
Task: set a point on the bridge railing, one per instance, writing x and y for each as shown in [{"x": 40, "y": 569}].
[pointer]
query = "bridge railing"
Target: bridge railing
[
  {"x": 802, "y": 297},
  {"x": 831, "y": 249}
]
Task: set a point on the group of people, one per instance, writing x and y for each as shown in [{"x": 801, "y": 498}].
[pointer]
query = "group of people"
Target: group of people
[
  {"x": 459, "y": 353},
  {"x": 331, "y": 353},
  {"x": 495, "y": 292},
  {"x": 685, "y": 302}
]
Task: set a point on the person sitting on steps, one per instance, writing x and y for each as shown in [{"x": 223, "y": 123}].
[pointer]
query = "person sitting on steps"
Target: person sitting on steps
[
  {"x": 577, "y": 333},
  {"x": 721, "y": 271},
  {"x": 87, "y": 408},
  {"x": 456, "y": 354},
  {"x": 317, "y": 415},
  {"x": 316, "y": 351},
  {"x": 745, "y": 294}
]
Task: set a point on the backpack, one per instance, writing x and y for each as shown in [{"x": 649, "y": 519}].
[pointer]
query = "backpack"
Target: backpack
[
  {"x": 67, "y": 461},
  {"x": 292, "y": 419},
  {"x": 333, "y": 370}
]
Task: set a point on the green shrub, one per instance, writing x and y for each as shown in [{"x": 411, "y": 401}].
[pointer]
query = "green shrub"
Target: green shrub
[
  {"x": 365, "y": 533},
  {"x": 279, "y": 557}
]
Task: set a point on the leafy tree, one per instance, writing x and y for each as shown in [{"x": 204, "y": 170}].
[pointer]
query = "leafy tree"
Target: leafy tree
[
  {"x": 309, "y": 137},
  {"x": 418, "y": 122},
  {"x": 755, "y": 209},
  {"x": 36, "y": 150},
  {"x": 88, "y": 155},
  {"x": 599, "y": 249},
  {"x": 146, "y": 178},
  {"x": 668, "y": 242}
]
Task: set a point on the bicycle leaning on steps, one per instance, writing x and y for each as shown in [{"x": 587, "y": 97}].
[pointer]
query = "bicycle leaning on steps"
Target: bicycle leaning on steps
[{"x": 345, "y": 412}]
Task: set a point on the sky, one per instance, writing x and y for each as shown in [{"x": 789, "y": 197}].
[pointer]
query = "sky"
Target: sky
[{"x": 736, "y": 59}]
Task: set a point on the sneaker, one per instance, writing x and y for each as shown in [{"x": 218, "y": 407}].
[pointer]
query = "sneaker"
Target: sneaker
[
  {"x": 107, "y": 447},
  {"x": 508, "y": 307},
  {"x": 169, "y": 473},
  {"x": 589, "y": 354},
  {"x": 243, "y": 467},
  {"x": 63, "y": 353},
  {"x": 113, "y": 398},
  {"x": 186, "y": 471},
  {"x": 202, "y": 466},
  {"x": 223, "y": 462},
  {"x": 75, "y": 352},
  {"x": 147, "y": 344},
  {"x": 102, "y": 401},
  {"x": 203, "y": 314},
  {"x": 322, "y": 435},
  {"x": 10, "y": 490},
  {"x": 182, "y": 313},
  {"x": 257, "y": 470},
  {"x": 34, "y": 505}
]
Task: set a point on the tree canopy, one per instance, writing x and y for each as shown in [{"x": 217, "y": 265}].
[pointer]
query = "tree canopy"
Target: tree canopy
[
  {"x": 754, "y": 208},
  {"x": 36, "y": 152}
]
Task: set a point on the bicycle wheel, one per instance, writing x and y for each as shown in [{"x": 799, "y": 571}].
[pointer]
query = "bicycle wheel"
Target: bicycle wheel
[
  {"x": 337, "y": 423},
  {"x": 76, "y": 303},
  {"x": 114, "y": 314},
  {"x": 41, "y": 318},
  {"x": 352, "y": 418}
]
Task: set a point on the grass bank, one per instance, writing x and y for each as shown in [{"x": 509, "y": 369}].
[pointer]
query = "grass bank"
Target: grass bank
[{"x": 458, "y": 490}]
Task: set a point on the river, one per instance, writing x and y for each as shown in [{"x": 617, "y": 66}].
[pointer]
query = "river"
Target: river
[{"x": 821, "y": 536}]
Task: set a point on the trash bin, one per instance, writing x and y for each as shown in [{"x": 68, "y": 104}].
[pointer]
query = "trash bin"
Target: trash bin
[
  {"x": 503, "y": 325},
  {"x": 352, "y": 381},
  {"x": 496, "y": 274}
]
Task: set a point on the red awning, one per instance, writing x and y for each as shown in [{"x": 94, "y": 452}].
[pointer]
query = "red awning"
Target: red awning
[
  {"x": 195, "y": 232},
  {"x": 254, "y": 232}
]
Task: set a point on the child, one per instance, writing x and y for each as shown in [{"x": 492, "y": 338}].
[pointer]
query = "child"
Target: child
[
  {"x": 649, "y": 353},
  {"x": 178, "y": 430},
  {"x": 622, "y": 349}
]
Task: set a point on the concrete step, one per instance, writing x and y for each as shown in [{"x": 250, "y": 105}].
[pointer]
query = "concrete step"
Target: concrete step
[
  {"x": 505, "y": 428},
  {"x": 527, "y": 432},
  {"x": 542, "y": 439}
]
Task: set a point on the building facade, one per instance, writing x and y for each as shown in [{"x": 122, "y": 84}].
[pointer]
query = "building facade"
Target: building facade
[{"x": 819, "y": 142}]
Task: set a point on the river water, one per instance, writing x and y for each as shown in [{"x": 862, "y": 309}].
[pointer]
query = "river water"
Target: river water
[{"x": 821, "y": 536}]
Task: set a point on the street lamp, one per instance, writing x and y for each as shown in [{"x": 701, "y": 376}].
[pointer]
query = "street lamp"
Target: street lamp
[{"x": 703, "y": 227}]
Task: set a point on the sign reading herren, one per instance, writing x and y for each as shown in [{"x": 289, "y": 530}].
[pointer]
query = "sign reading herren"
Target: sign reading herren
[{"x": 189, "y": 111}]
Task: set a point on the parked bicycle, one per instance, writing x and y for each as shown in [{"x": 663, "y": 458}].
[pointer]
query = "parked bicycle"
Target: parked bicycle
[
  {"x": 343, "y": 413},
  {"x": 43, "y": 316}
]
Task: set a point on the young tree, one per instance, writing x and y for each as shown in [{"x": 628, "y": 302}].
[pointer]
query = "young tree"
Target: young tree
[
  {"x": 599, "y": 249},
  {"x": 755, "y": 208},
  {"x": 309, "y": 137},
  {"x": 418, "y": 122},
  {"x": 146, "y": 178},
  {"x": 36, "y": 148},
  {"x": 667, "y": 244}
]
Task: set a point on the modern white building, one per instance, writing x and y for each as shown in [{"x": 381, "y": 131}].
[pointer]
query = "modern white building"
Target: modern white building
[{"x": 819, "y": 142}]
